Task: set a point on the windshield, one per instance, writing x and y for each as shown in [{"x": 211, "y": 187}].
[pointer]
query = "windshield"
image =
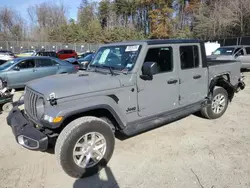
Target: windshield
[
  {"x": 224, "y": 51},
  {"x": 7, "y": 64},
  {"x": 117, "y": 57}
]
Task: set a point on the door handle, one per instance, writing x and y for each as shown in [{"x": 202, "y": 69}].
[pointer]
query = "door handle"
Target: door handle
[
  {"x": 196, "y": 76},
  {"x": 172, "y": 81},
  {"x": 34, "y": 70}
]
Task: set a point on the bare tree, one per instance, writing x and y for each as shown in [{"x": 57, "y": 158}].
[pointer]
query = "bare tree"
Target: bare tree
[
  {"x": 46, "y": 16},
  {"x": 241, "y": 14},
  {"x": 11, "y": 24},
  {"x": 221, "y": 18}
]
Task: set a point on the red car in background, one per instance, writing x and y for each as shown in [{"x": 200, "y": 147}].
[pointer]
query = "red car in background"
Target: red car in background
[{"x": 66, "y": 53}]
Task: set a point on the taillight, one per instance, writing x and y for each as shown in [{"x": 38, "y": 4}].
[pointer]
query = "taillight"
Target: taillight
[{"x": 77, "y": 67}]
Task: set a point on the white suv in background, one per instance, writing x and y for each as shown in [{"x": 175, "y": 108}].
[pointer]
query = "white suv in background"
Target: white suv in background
[{"x": 6, "y": 56}]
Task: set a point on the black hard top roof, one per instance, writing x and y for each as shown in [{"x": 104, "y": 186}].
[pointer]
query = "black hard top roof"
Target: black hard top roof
[
  {"x": 171, "y": 41},
  {"x": 158, "y": 41}
]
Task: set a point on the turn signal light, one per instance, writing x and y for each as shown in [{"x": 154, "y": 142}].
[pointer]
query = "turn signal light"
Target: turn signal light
[{"x": 57, "y": 119}]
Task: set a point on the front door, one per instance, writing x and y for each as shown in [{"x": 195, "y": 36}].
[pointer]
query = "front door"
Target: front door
[
  {"x": 193, "y": 76},
  {"x": 162, "y": 92},
  {"x": 25, "y": 73}
]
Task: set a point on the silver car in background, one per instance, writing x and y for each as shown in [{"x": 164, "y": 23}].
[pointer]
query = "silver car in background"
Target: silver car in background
[
  {"x": 6, "y": 55},
  {"x": 240, "y": 53},
  {"x": 19, "y": 71}
]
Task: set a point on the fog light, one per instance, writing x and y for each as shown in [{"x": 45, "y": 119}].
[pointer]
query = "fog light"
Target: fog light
[{"x": 27, "y": 142}]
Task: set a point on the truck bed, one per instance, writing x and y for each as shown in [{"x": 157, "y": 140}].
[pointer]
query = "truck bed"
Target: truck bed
[{"x": 221, "y": 67}]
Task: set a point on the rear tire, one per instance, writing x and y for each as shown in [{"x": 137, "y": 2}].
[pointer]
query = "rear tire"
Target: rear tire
[
  {"x": 75, "y": 138},
  {"x": 219, "y": 104}
]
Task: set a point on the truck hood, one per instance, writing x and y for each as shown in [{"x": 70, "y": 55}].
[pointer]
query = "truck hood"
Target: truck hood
[{"x": 65, "y": 85}]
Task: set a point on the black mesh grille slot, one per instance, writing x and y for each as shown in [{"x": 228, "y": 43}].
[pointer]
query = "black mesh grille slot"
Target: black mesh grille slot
[{"x": 30, "y": 100}]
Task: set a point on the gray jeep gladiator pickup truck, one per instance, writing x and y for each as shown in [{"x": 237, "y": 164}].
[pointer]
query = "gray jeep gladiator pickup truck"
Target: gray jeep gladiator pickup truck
[{"x": 128, "y": 87}]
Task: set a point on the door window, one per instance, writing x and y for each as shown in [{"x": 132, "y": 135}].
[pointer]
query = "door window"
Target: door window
[
  {"x": 62, "y": 52},
  {"x": 239, "y": 53},
  {"x": 68, "y": 52},
  {"x": 248, "y": 50},
  {"x": 44, "y": 63},
  {"x": 189, "y": 56},
  {"x": 27, "y": 64},
  {"x": 163, "y": 57}
]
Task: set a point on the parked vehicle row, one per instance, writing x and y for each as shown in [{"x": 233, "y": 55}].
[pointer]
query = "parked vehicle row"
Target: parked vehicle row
[
  {"x": 17, "y": 72},
  {"x": 36, "y": 64},
  {"x": 61, "y": 54}
]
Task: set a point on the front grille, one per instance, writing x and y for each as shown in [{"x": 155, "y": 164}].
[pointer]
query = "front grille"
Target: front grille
[{"x": 30, "y": 99}]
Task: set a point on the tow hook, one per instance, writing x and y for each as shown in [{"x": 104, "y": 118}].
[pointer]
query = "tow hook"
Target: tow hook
[
  {"x": 242, "y": 85},
  {"x": 52, "y": 99}
]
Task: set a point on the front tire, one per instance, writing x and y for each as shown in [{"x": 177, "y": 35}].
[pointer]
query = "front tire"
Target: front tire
[
  {"x": 219, "y": 104},
  {"x": 85, "y": 146}
]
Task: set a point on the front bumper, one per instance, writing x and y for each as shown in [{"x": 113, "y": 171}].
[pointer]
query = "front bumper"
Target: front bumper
[{"x": 25, "y": 132}]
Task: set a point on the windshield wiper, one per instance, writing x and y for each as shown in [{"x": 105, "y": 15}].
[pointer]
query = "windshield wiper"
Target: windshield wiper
[
  {"x": 104, "y": 66},
  {"x": 110, "y": 69}
]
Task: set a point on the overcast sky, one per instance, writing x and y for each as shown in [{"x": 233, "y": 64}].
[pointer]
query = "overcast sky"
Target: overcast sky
[{"x": 22, "y": 5}]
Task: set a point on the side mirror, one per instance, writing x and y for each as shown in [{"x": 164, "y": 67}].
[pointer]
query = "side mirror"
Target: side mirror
[
  {"x": 148, "y": 70},
  {"x": 212, "y": 53},
  {"x": 16, "y": 68}
]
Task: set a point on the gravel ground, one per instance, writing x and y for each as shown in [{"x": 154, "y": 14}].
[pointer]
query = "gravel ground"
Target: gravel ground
[{"x": 192, "y": 152}]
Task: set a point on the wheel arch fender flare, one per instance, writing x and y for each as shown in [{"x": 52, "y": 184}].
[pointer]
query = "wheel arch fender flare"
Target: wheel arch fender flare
[
  {"x": 121, "y": 124},
  {"x": 224, "y": 83}
]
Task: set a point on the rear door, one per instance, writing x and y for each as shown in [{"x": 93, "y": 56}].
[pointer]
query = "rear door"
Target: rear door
[
  {"x": 193, "y": 76},
  {"x": 18, "y": 78},
  {"x": 45, "y": 67}
]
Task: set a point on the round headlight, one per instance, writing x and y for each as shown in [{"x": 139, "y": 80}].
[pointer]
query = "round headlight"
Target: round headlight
[{"x": 40, "y": 107}]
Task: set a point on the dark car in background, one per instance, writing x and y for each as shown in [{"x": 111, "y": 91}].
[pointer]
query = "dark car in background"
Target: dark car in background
[
  {"x": 84, "y": 62},
  {"x": 46, "y": 53},
  {"x": 85, "y": 54},
  {"x": 19, "y": 71},
  {"x": 66, "y": 53},
  {"x": 81, "y": 63}
]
